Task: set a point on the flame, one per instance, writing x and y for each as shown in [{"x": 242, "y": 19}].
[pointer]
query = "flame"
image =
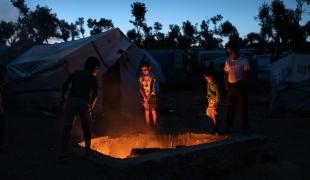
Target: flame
[{"x": 123, "y": 146}]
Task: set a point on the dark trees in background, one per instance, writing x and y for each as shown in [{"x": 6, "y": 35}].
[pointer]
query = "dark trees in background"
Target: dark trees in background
[
  {"x": 138, "y": 11},
  {"x": 253, "y": 38},
  {"x": 281, "y": 28},
  {"x": 188, "y": 37},
  {"x": 32, "y": 27},
  {"x": 157, "y": 28},
  {"x": 44, "y": 23},
  {"x": 255, "y": 41},
  {"x": 64, "y": 30},
  {"x": 73, "y": 30},
  {"x": 99, "y": 26},
  {"x": 6, "y": 30},
  {"x": 306, "y": 28},
  {"x": 133, "y": 36},
  {"x": 38, "y": 26},
  {"x": 172, "y": 39},
  {"x": 215, "y": 20},
  {"x": 153, "y": 37},
  {"x": 149, "y": 38},
  {"x": 227, "y": 29},
  {"x": 206, "y": 36},
  {"x": 80, "y": 25},
  {"x": 21, "y": 6}
]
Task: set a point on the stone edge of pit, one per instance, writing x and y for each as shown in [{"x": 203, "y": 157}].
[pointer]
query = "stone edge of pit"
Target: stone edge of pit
[{"x": 221, "y": 148}]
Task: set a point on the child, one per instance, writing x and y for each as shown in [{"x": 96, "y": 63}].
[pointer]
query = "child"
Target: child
[
  {"x": 213, "y": 97},
  {"x": 81, "y": 101},
  {"x": 147, "y": 92},
  {"x": 236, "y": 76}
]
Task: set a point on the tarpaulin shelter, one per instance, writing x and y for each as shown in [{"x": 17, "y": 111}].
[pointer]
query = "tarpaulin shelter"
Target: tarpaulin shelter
[
  {"x": 290, "y": 84},
  {"x": 36, "y": 77}
]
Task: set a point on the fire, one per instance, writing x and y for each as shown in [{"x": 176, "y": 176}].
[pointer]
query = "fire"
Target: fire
[{"x": 126, "y": 146}]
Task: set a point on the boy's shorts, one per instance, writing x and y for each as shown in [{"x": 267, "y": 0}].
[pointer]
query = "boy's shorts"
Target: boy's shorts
[
  {"x": 211, "y": 110},
  {"x": 151, "y": 103}
]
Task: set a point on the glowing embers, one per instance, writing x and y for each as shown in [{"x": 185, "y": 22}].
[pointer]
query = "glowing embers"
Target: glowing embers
[{"x": 135, "y": 145}]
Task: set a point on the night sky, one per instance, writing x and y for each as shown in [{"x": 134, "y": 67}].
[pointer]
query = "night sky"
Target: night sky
[{"x": 239, "y": 12}]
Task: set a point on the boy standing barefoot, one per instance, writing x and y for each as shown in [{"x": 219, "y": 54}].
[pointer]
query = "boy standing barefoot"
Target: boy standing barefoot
[
  {"x": 148, "y": 94},
  {"x": 213, "y": 97}
]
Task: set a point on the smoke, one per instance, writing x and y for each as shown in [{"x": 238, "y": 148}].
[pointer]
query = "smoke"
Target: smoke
[{"x": 7, "y": 11}]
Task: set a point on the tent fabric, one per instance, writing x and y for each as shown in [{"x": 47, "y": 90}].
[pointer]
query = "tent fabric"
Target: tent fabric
[
  {"x": 290, "y": 84},
  {"x": 37, "y": 76}
]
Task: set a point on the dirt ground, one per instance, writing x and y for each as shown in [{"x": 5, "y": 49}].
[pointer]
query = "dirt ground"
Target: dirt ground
[{"x": 33, "y": 141}]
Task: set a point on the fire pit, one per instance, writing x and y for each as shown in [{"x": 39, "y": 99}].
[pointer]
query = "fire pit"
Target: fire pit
[
  {"x": 136, "y": 145},
  {"x": 165, "y": 156},
  {"x": 172, "y": 156}
]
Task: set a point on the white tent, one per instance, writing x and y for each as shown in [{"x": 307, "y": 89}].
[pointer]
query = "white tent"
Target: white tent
[
  {"x": 290, "y": 84},
  {"x": 36, "y": 77}
]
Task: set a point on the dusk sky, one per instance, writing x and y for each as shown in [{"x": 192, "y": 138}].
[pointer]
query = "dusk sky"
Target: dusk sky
[{"x": 240, "y": 13}]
